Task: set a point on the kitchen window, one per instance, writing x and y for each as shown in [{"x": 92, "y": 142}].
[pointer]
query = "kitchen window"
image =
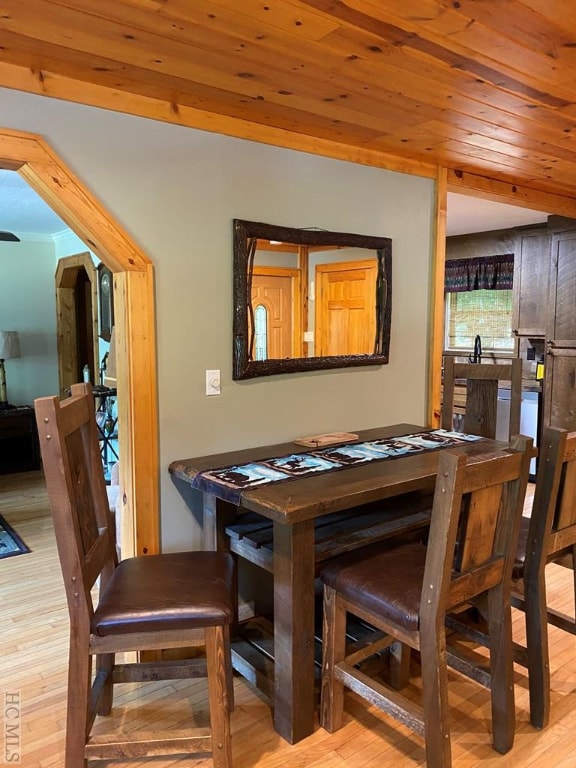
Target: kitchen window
[
  {"x": 479, "y": 302},
  {"x": 487, "y": 313}
]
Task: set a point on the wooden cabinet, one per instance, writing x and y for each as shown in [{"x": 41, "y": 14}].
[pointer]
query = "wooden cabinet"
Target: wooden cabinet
[
  {"x": 560, "y": 388},
  {"x": 561, "y": 325},
  {"x": 19, "y": 450},
  {"x": 560, "y": 376},
  {"x": 531, "y": 267}
]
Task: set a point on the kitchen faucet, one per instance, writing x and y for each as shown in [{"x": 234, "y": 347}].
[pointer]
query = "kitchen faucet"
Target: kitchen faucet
[{"x": 477, "y": 358}]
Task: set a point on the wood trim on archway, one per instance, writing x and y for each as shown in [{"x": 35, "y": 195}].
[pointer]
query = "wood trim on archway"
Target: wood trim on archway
[{"x": 45, "y": 172}]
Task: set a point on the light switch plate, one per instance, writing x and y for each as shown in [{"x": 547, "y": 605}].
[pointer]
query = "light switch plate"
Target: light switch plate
[{"x": 213, "y": 382}]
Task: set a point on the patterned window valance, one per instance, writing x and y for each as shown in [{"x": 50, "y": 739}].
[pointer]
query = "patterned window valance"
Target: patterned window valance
[{"x": 492, "y": 273}]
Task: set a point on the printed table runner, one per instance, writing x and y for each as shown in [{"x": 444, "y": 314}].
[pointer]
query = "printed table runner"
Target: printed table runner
[{"x": 229, "y": 482}]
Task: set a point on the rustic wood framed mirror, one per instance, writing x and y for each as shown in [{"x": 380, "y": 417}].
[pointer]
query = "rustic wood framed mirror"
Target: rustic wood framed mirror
[{"x": 309, "y": 299}]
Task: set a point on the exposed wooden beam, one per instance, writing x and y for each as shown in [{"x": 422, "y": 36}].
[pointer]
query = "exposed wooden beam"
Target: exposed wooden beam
[
  {"x": 511, "y": 194},
  {"x": 49, "y": 84}
]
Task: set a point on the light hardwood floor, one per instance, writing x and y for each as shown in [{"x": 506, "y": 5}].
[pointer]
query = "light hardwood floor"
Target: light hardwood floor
[{"x": 33, "y": 663}]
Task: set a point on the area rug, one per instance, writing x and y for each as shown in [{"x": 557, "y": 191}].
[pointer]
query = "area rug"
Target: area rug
[{"x": 10, "y": 543}]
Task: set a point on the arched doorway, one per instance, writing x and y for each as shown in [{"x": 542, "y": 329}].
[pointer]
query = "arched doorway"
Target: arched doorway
[
  {"x": 76, "y": 319},
  {"x": 35, "y": 161}
]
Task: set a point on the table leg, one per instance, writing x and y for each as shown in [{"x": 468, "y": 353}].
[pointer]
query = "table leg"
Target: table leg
[
  {"x": 217, "y": 515},
  {"x": 294, "y": 630}
]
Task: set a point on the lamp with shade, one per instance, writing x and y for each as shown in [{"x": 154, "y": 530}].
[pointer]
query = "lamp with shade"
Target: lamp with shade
[{"x": 9, "y": 349}]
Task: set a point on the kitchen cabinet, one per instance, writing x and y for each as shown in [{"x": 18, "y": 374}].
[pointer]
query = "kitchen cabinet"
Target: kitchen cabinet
[
  {"x": 560, "y": 376},
  {"x": 560, "y": 388},
  {"x": 531, "y": 267},
  {"x": 561, "y": 324}
]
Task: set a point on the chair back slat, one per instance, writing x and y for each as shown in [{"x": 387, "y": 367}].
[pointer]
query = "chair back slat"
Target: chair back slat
[
  {"x": 476, "y": 516},
  {"x": 482, "y": 382},
  {"x": 477, "y": 538},
  {"x": 77, "y": 492},
  {"x": 481, "y": 407},
  {"x": 565, "y": 516}
]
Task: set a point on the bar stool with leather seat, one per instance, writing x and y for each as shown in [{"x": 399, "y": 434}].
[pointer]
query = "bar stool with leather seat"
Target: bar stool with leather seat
[
  {"x": 547, "y": 536},
  {"x": 155, "y": 602},
  {"x": 405, "y": 592},
  {"x": 482, "y": 382}
]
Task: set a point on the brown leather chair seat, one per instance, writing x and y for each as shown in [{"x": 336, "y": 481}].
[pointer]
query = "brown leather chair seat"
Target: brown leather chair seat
[
  {"x": 180, "y": 590},
  {"x": 386, "y": 582}
]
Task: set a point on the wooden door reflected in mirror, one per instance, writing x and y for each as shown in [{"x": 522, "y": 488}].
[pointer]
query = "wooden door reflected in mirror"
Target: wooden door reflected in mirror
[{"x": 309, "y": 299}]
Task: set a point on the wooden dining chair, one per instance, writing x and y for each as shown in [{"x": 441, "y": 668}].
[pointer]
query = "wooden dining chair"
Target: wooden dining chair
[
  {"x": 547, "y": 536},
  {"x": 405, "y": 592},
  {"x": 144, "y": 603},
  {"x": 482, "y": 382}
]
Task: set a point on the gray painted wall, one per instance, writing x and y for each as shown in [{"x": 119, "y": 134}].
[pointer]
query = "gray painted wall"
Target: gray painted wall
[
  {"x": 28, "y": 305},
  {"x": 176, "y": 191}
]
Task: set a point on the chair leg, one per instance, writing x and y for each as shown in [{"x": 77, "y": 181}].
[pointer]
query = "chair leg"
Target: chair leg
[
  {"x": 104, "y": 665},
  {"x": 218, "y": 693},
  {"x": 229, "y": 669},
  {"x": 501, "y": 669},
  {"x": 78, "y": 718},
  {"x": 535, "y": 616},
  {"x": 333, "y": 651},
  {"x": 435, "y": 698},
  {"x": 573, "y": 553},
  {"x": 399, "y": 665}
]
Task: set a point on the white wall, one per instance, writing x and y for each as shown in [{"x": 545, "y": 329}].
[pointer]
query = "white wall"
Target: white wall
[
  {"x": 28, "y": 305},
  {"x": 176, "y": 191}
]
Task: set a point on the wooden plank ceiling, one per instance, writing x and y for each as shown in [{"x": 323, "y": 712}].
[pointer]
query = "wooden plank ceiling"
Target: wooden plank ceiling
[{"x": 480, "y": 86}]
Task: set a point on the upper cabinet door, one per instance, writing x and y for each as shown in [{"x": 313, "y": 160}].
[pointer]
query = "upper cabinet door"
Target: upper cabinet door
[
  {"x": 531, "y": 265},
  {"x": 561, "y": 326}
]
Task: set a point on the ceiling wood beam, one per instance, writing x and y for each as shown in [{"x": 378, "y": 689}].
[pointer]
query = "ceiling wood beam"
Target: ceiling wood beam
[{"x": 511, "y": 194}]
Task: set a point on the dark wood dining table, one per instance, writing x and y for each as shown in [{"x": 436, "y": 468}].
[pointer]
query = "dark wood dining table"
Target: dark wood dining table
[{"x": 293, "y": 507}]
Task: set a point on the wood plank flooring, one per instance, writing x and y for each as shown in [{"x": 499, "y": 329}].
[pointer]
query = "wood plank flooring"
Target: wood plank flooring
[{"x": 33, "y": 664}]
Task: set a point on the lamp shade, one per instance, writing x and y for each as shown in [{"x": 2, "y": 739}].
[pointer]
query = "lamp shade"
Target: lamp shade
[{"x": 9, "y": 345}]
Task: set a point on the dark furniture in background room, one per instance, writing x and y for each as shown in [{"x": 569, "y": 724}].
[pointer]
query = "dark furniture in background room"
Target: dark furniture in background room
[{"x": 18, "y": 440}]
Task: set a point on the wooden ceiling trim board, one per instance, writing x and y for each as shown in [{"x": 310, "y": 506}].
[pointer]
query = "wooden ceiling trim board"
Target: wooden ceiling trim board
[
  {"x": 407, "y": 71},
  {"x": 281, "y": 116},
  {"x": 429, "y": 81},
  {"x": 474, "y": 58},
  {"x": 285, "y": 17},
  {"x": 291, "y": 82},
  {"x": 271, "y": 96},
  {"x": 516, "y": 146},
  {"x": 511, "y": 194},
  {"x": 473, "y": 45},
  {"x": 550, "y": 141},
  {"x": 70, "y": 29},
  {"x": 563, "y": 14},
  {"x": 56, "y": 86}
]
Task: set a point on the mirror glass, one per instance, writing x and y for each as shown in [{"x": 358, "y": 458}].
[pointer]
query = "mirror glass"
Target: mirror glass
[{"x": 308, "y": 299}]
